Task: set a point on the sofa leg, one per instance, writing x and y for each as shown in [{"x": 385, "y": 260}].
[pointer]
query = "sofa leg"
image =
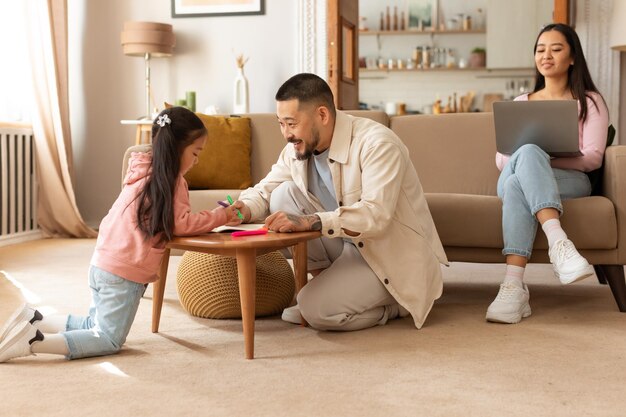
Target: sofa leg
[
  {"x": 614, "y": 274},
  {"x": 600, "y": 274}
]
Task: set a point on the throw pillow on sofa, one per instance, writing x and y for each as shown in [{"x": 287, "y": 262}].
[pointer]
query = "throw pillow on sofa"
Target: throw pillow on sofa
[{"x": 225, "y": 161}]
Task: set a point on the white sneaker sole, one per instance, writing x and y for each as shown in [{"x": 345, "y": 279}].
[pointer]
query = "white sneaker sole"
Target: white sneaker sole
[
  {"x": 509, "y": 318},
  {"x": 292, "y": 315},
  {"x": 575, "y": 277},
  {"x": 18, "y": 316}
]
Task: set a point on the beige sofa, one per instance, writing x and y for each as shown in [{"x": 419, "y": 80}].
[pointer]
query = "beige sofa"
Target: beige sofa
[{"x": 454, "y": 155}]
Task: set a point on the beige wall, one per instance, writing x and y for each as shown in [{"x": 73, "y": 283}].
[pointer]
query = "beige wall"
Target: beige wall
[
  {"x": 621, "y": 137},
  {"x": 106, "y": 86}
]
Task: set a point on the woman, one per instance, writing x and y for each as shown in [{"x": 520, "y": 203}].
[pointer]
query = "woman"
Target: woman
[{"x": 531, "y": 184}]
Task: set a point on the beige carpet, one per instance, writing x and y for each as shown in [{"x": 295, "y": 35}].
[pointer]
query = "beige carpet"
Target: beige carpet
[{"x": 568, "y": 359}]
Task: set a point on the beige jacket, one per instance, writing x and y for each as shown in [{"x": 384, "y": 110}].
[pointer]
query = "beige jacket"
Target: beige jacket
[{"x": 381, "y": 198}]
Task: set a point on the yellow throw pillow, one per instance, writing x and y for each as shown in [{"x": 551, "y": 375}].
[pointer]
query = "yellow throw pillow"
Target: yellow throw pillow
[{"x": 225, "y": 161}]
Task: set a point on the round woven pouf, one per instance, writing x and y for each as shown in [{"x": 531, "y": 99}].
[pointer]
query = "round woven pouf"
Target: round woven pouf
[{"x": 208, "y": 285}]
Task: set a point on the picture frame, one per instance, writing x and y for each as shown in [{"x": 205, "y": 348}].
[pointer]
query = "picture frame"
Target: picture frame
[
  {"x": 422, "y": 14},
  {"x": 216, "y": 8}
]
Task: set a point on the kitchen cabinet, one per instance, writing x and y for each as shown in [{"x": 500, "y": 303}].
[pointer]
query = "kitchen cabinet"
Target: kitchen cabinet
[{"x": 512, "y": 27}]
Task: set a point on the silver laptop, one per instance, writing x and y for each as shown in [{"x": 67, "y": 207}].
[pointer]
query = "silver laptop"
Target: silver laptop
[{"x": 550, "y": 124}]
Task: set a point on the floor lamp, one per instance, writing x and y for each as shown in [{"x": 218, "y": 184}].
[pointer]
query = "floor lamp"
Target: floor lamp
[{"x": 147, "y": 40}]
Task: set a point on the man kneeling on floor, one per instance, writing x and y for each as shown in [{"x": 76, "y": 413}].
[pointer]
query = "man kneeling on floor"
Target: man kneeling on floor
[{"x": 352, "y": 179}]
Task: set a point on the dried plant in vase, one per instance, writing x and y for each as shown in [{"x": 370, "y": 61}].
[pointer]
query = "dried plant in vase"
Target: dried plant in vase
[{"x": 241, "y": 100}]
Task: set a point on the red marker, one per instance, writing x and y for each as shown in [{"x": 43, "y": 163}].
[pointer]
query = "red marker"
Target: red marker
[{"x": 261, "y": 231}]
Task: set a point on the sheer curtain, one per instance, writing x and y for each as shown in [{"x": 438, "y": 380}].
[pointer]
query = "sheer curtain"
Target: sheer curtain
[
  {"x": 46, "y": 22},
  {"x": 592, "y": 28}
]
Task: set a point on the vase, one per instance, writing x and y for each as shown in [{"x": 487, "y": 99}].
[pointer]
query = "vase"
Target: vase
[
  {"x": 477, "y": 60},
  {"x": 241, "y": 100}
]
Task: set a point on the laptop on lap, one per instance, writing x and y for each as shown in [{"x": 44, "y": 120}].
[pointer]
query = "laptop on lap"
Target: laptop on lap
[{"x": 550, "y": 124}]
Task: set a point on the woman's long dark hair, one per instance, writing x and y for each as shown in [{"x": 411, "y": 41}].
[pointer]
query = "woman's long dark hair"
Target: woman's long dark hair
[
  {"x": 155, "y": 202},
  {"x": 578, "y": 77}
]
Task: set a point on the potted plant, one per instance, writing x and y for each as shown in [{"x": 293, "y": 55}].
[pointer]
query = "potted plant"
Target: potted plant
[{"x": 477, "y": 58}]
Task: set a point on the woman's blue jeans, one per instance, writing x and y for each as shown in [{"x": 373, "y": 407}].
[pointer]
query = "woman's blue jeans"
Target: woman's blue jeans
[
  {"x": 113, "y": 308},
  {"x": 528, "y": 184}
]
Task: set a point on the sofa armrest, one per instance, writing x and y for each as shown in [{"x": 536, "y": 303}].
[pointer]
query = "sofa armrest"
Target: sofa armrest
[
  {"x": 614, "y": 188},
  {"x": 135, "y": 148}
]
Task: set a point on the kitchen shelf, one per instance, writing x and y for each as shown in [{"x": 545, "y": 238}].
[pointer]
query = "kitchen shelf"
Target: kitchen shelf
[
  {"x": 367, "y": 70},
  {"x": 420, "y": 32}
]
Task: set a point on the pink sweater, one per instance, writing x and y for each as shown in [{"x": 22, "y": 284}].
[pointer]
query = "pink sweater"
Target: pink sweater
[
  {"x": 591, "y": 138},
  {"x": 121, "y": 247}
]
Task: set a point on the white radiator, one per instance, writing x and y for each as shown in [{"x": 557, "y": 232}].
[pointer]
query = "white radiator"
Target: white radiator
[{"x": 18, "y": 183}]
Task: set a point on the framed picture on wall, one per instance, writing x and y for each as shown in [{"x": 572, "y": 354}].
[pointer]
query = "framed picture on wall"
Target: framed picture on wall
[
  {"x": 422, "y": 14},
  {"x": 199, "y": 8}
]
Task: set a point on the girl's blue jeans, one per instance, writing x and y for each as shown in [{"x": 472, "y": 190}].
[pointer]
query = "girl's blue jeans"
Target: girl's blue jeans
[
  {"x": 114, "y": 304},
  {"x": 528, "y": 184}
]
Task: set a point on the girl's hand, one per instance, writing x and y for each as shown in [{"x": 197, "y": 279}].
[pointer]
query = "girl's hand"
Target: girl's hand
[
  {"x": 245, "y": 210},
  {"x": 231, "y": 216}
]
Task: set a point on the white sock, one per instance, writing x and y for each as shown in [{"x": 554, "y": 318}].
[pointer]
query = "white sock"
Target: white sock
[
  {"x": 51, "y": 343},
  {"x": 514, "y": 275},
  {"x": 52, "y": 324},
  {"x": 553, "y": 230}
]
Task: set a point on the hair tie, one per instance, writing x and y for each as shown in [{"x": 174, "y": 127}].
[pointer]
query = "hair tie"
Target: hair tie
[{"x": 163, "y": 120}]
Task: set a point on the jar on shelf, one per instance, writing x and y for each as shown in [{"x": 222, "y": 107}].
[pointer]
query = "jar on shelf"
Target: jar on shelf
[
  {"x": 426, "y": 57},
  {"x": 450, "y": 59},
  {"x": 417, "y": 56},
  {"x": 467, "y": 22}
]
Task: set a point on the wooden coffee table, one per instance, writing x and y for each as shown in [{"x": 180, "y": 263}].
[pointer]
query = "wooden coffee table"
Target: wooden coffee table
[{"x": 245, "y": 249}]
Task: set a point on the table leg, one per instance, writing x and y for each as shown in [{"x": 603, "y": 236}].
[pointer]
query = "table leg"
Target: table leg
[
  {"x": 158, "y": 289},
  {"x": 246, "y": 268},
  {"x": 300, "y": 268}
]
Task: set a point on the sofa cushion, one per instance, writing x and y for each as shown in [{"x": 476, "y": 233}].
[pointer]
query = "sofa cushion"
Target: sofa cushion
[
  {"x": 225, "y": 160},
  {"x": 475, "y": 221},
  {"x": 452, "y": 153}
]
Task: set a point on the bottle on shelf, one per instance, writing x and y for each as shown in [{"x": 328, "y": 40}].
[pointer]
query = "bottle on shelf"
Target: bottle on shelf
[
  {"x": 395, "y": 17},
  {"x": 382, "y": 21},
  {"x": 388, "y": 20},
  {"x": 402, "y": 21}
]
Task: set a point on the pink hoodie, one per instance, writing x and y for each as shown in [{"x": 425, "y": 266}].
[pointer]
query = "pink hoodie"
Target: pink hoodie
[{"x": 122, "y": 248}]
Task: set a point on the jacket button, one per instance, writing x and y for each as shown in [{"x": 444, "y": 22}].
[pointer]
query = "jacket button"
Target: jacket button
[
  {"x": 331, "y": 231},
  {"x": 360, "y": 244},
  {"x": 341, "y": 203},
  {"x": 386, "y": 281},
  {"x": 332, "y": 161}
]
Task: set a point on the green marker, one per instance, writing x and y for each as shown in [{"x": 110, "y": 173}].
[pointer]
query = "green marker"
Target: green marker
[{"x": 230, "y": 200}]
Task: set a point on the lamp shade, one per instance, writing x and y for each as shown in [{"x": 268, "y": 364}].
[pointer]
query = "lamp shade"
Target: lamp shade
[
  {"x": 617, "y": 37},
  {"x": 140, "y": 38}
]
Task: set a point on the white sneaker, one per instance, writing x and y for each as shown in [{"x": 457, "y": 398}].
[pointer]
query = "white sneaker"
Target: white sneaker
[
  {"x": 510, "y": 306},
  {"x": 292, "y": 315},
  {"x": 18, "y": 343},
  {"x": 569, "y": 265},
  {"x": 23, "y": 313}
]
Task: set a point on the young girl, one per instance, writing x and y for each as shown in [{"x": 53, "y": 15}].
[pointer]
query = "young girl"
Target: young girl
[
  {"x": 152, "y": 208},
  {"x": 531, "y": 184}
]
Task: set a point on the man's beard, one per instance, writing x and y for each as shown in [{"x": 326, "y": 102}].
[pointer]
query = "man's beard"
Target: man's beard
[{"x": 309, "y": 148}]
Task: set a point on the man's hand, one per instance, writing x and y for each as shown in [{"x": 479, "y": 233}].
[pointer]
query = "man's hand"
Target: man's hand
[{"x": 283, "y": 222}]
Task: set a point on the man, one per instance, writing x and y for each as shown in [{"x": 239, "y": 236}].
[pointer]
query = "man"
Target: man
[{"x": 352, "y": 179}]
